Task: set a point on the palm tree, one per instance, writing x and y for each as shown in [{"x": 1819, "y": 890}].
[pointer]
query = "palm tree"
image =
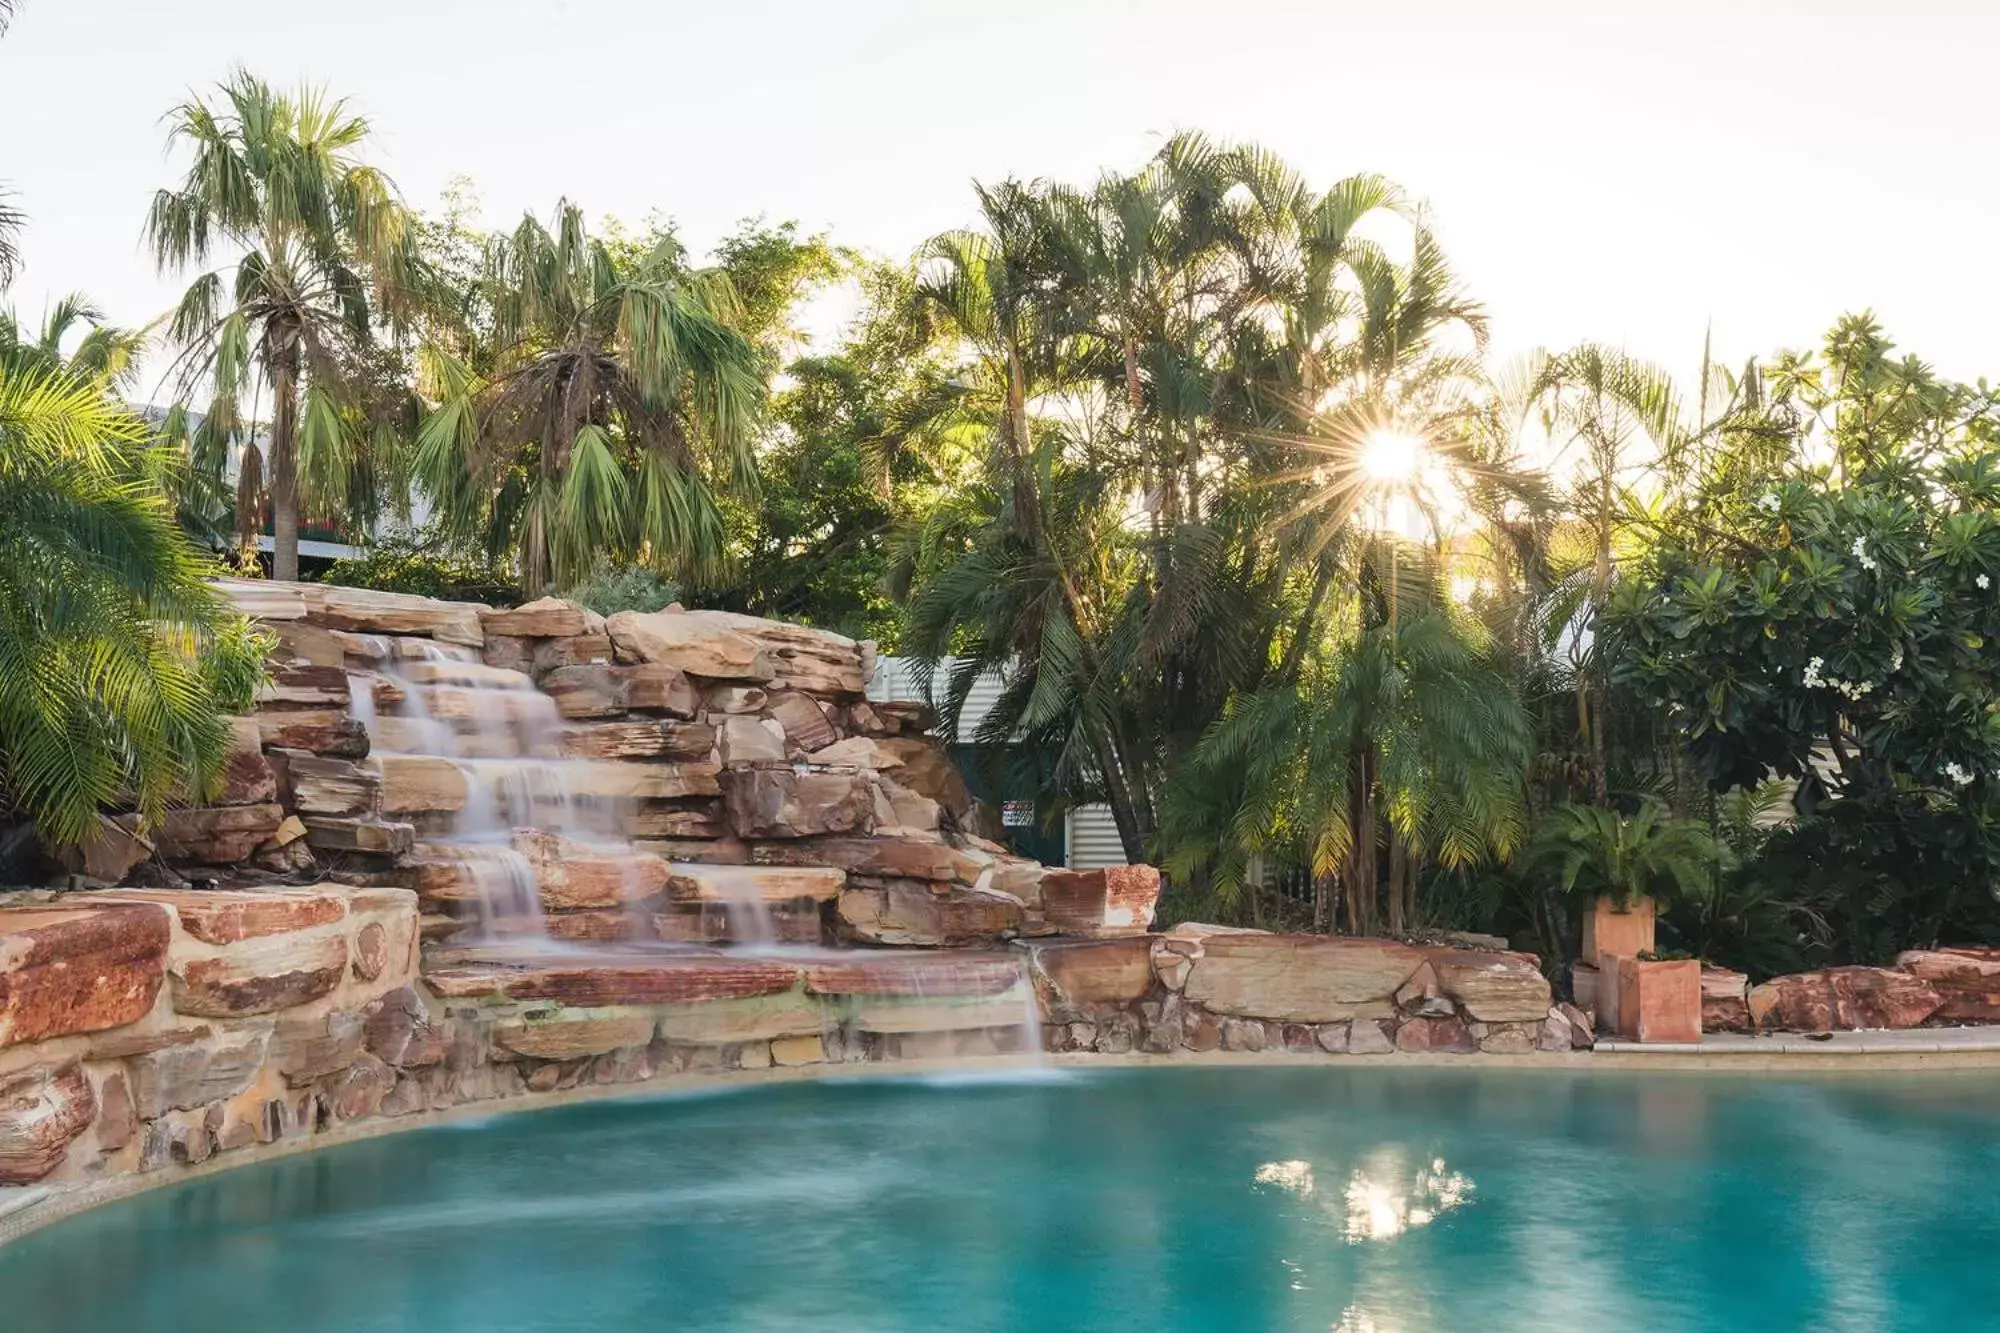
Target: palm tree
[
  {"x": 11, "y": 218},
  {"x": 115, "y": 654},
  {"x": 320, "y": 251},
  {"x": 616, "y": 400},
  {"x": 1597, "y": 852},
  {"x": 105, "y": 355},
  {"x": 1407, "y": 736}
]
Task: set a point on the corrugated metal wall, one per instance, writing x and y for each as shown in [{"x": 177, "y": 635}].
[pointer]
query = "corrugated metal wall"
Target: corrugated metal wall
[{"x": 1092, "y": 837}]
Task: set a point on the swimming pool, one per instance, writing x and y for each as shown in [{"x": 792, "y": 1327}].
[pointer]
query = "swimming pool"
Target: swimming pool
[{"x": 1350, "y": 1198}]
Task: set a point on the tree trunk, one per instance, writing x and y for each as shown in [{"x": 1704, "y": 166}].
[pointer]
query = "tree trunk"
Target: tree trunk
[
  {"x": 1398, "y": 868},
  {"x": 285, "y": 460}
]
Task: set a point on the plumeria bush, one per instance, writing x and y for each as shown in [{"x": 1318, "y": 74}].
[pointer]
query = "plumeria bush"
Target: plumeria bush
[{"x": 1821, "y": 605}]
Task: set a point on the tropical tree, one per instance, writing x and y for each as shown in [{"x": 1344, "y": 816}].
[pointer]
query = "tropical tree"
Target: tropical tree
[
  {"x": 1596, "y": 852},
  {"x": 115, "y": 654},
  {"x": 611, "y": 405},
  {"x": 104, "y": 355},
  {"x": 1405, "y": 740},
  {"x": 319, "y": 252}
]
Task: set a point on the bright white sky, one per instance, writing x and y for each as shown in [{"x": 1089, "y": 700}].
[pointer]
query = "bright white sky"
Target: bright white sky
[{"x": 1615, "y": 171}]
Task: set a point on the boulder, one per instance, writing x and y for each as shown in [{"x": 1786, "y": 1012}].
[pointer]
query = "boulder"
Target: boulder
[
  {"x": 1113, "y": 901},
  {"x": 306, "y": 1049},
  {"x": 190, "y": 1076},
  {"x": 568, "y": 1034},
  {"x": 574, "y": 874},
  {"x": 1492, "y": 987},
  {"x": 1844, "y": 998},
  {"x": 1299, "y": 978},
  {"x": 1968, "y": 979},
  {"x": 247, "y": 777},
  {"x": 305, "y": 687},
  {"x": 925, "y": 915},
  {"x": 788, "y": 803},
  {"x": 1725, "y": 1000},
  {"x": 401, "y": 613},
  {"x": 377, "y": 836},
  {"x": 1445, "y": 1035},
  {"x": 221, "y": 835},
  {"x": 41, "y": 1111},
  {"x": 767, "y": 884},
  {"x": 813, "y": 660},
  {"x": 319, "y": 785},
  {"x": 260, "y": 976},
  {"x": 927, "y": 770},
  {"x": 227, "y": 916},
  {"x": 71, "y": 970},
  {"x": 1095, "y": 972},
  {"x": 320, "y": 731},
  {"x": 543, "y": 618},
  {"x": 605, "y": 691},
  {"x": 639, "y": 740},
  {"x": 805, "y": 726},
  {"x": 1369, "y": 1037},
  {"x": 689, "y": 643},
  {"x": 858, "y": 752},
  {"x": 746, "y": 741},
  {"x": 600, "y": 982},
  {"x": 902, "y": 857},
  {"x": 110, "y": 852}
]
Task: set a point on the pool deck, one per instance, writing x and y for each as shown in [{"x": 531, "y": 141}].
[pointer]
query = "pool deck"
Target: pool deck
[{"x": 1913, "y": 1048}]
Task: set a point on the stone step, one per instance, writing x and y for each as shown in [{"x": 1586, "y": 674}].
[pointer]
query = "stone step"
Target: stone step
[{"x": 696, "y": 882}]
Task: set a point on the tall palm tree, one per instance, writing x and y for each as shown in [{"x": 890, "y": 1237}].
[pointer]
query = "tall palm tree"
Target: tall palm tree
[
  {"x": 105, "y": 355},
  {"x": 115, "y": 654},
  {"x": 1407, "y": 736},
  {"x": 319, "y": 251},
  {"x": 11, "y": 218},
  {"x": 616, "y": 400}
]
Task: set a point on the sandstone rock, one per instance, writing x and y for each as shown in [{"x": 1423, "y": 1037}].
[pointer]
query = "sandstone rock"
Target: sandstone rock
[
  {"x": 397, "y": 1030},
  {"x": 1242, "y": 1034},
  {"x": 689, "y": 822},
  {"x": 916, "y": 913},
  {"x": 605, "y": 691},
  {"x": 640, "y": 740},
  {"x": 734, "y": 699},
  {"x": 743, "y": 741},
  {"x": 508, "y": 652},
  {"x": 1333, "y": 1037},
  {"x": 222, "y": 835},
  {"x": 305, "y": 687},
  {"x": 382, "y": 837},
  {"x": 689, "y": 643},
  {"x": 41, "y": 1111},
  {"x": 1512, "y": 1038},
  {"x": 858, "y": 752},
  {"x": 900, "y": 857},
  {"x": 247, "y": 777},
  {"x": 187, "y": 1077},
  {"x": 116, "y": 1121},
  {"x": 402, "y": 613},
  {"x": 900, "y": 808},
  {"x": 1096, "y": 972},
  {"x": 271, "y": 599},
  {"x": 1582, "y": 1029},
  {"x": 1300, "y": 978},
  {"x": 1116, "y": 900},
  {"x": 767, "y": 884},
  {"x": 356, "y": 1092},
  {"x": 371, "y": 951},
  {"x": 1844, "y": 998},
  {"x": 928, "y": 771},
  {"x": 1967, "y": 978},
  {"x": 669, "y": 980},
  {"x": 1446, "y": 1035},
  {"x": 1492, "y": 987},
  {"x": 320, "y": 785},
  {"x": 566, "y": 1035},
  {"x": 322, "y": 732},
  {"x": 1555, "y": 1034},
  {"x": 226, "y": 916},
  {"x": 787, "y": 803},
  {"x": 1200, "y": 1030},
  {"x": 260, "y": 976},
  {"x": 575, "y": 874},
  {"x": 1422, "y": 985},
  {"x": 1370, "y": 1037},
  {"x": 1725, "y": 1000},
  {"x": 290, "y": 830},
  {"x": 306, "y": 1049},
  {"x": 71, "y": 970},
  {"x": 108, "y": 855},
  {"x": 817, "y": 661},
  {"x": 543, "y": 618},
  {"x": 763, "y": 1018},
  {"x": 302, "y": 644},
  {"x": 805, "y": 726}
]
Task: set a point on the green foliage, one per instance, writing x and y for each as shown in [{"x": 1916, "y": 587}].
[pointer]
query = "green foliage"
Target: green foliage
[
  {"x": 610, "y": 590},
  {"x": 1595, "y": 852},
  {"x": 115, "y": 654},
  {"x": 319, "y": 252},
  {"x": 595, "y": 402},
  {"x": 423, "y": 569}
]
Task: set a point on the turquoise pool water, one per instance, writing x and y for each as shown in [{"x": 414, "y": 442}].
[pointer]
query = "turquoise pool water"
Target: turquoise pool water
[{"x": 1323, "y": 1198}]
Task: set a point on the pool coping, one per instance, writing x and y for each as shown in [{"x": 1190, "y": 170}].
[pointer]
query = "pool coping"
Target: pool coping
[{"x": 25, "y": 1209}]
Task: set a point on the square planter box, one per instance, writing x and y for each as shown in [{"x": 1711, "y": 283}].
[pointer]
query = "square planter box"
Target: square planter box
[
  {"x": 1658, "y": 1002},
  {"x": 1608, "y": 929}
]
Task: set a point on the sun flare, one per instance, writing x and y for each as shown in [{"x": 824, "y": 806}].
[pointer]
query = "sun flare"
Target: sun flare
[{"x": 1391, "y": 456}]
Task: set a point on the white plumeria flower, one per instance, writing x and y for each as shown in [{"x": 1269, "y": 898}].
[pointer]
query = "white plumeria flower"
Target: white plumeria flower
[
  {"x": 1983, "y": 581},
  {"x": 1812, "y": 676},
  {"x": 1860, "y": 549},
  {"x": 1958, "y": 776},
  {"x": 1768, "y": 502},
  {"x": 1896, "y": 658}
]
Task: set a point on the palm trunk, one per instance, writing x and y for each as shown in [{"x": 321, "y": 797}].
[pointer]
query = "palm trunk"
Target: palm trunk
[
  {"x": 1398, "y": 869},
  {"x": 285, "y": 462}
]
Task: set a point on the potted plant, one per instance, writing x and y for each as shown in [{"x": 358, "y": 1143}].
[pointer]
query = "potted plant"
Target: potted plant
[{"x": 1619, "y": 867}]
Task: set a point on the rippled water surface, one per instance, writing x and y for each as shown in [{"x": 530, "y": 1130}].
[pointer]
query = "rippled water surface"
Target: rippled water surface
[{"x": 1259, "y": 1198}]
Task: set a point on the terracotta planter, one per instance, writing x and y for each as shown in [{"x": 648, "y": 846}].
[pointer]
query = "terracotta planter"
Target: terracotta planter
[
  {"x": 1608, "y": 928},
  {"x": 1657, "y": 1002}
]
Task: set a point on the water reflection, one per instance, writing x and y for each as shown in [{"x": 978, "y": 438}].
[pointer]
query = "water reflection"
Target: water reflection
[{"x": 1383, "y": 1199}]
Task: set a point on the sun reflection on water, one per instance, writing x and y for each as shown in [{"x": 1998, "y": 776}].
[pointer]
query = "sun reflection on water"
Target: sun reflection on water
[{"x": 1378, "y": 1204}]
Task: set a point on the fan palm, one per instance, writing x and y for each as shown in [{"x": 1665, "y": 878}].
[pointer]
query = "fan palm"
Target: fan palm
[
  {"x": 1407, "y": 736},
  {"x": 320, "y": 251},
  {"x": 115, "y": 654},
  {"x": 617, "y": 401}
]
